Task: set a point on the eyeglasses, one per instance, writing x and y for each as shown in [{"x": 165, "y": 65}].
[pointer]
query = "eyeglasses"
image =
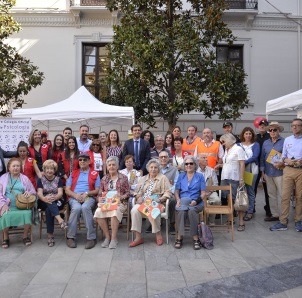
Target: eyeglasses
[
  {"x": 96, "y": 145},
  {"x": 83, "y": 159},
  {"x": 295, "y": 125},
  {"x": 189, "y": 164},
  {"x": 273, "y": 130},
  {"x": 165, "y": 156}
]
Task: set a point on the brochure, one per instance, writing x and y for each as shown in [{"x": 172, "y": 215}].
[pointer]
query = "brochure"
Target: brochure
[
  {"x": 109, "y": 201},
  {"x": 151, "y": 208}
]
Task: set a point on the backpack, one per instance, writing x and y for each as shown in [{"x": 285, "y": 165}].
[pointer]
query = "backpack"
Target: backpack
[{"x": 205, "y": 236}]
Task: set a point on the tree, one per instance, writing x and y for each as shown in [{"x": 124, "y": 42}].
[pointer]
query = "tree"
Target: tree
[
  {"x": 164, "y": 61},
  {"x": 17, "y": 74}
]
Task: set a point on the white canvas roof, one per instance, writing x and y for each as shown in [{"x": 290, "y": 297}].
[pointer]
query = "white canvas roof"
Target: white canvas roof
[
  {"x": 80, "y": 107},
  {"x": 287, "y": 103}
]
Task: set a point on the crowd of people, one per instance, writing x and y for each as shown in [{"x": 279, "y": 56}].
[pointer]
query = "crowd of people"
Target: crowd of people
[{"x": 81, "y": 172}]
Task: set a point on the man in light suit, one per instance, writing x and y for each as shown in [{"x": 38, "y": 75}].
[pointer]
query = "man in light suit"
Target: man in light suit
[
  {"x": 141, "y": 156},
  {"x": 5, "y": 154}
]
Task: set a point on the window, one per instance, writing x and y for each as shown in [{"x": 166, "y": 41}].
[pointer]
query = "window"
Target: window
[
  {"x": 233, "y": 54},
  {"x": 95, "y": 68}
]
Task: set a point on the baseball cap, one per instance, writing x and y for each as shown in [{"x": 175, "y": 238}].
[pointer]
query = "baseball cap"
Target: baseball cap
[
  {"x": 44, "y": 133},
  {"x": 84, "y": 155},
  {"x": 227, "y": 123},
  {"x": 263, "y": 122}
]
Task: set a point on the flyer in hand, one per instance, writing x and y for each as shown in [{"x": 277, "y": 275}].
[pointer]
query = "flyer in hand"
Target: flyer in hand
[
  {"x": 274, "y": 156},
  {"x": 151, "y": 208},
  {"x": 109, "y": 201}
]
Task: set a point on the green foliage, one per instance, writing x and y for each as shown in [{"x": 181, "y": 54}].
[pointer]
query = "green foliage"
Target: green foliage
[
  {"x": 17, "y": 74},
  {"x": 164, "y": 61}
]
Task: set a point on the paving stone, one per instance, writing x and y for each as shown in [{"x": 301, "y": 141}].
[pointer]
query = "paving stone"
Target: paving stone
[
  {"x": 38, "y": 291},
  {"x": 86, "y": 284}
]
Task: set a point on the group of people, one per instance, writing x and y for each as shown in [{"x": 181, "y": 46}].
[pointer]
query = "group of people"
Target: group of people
[{"x": 81, "y": 172}]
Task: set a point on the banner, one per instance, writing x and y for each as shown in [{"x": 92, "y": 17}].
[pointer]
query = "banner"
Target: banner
[{"x": 12, "y": 131}]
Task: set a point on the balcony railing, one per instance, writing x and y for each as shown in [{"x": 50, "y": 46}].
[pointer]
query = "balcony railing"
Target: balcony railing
[
  {"x": 88, "y": 2},
  {"x": 242, "y": 4},
  {"x": 233, "y": 4}
]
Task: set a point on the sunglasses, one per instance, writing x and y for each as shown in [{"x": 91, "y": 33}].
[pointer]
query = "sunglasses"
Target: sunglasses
[
  {"x": 83, "y": 159},
  {"x": 96, "y": 145},
  {"x": 166, "y": 156},
  {"x": 273, "y": 129},
  {"x": 189, "y": 164},
  {"x": 111, "y": 184}
]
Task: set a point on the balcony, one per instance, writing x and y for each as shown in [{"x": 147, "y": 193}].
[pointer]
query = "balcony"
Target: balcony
[
  {"x": 87, "y": 3},
  {"x": 242, "y": 4}
]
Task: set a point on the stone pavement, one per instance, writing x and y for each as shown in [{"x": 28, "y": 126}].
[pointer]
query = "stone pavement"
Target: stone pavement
[{"x": 259, "y": 263}]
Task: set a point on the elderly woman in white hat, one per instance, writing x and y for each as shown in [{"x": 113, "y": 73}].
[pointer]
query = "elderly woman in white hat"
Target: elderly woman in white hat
[{"x": 271, "y": 166}]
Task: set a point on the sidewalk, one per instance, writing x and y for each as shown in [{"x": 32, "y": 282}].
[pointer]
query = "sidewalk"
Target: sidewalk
[{"x": 259, "y": 263}]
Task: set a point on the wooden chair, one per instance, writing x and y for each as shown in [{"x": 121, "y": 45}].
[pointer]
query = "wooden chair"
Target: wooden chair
[
  {"x": 43, "y": 224},
  {"x": 19, "y": 231},
  {"x": 127, "y": 217},
  {"x": 163, "y": 215},
  {"x": 217, "y": 209},
  {"x": 81, "y": 224}
]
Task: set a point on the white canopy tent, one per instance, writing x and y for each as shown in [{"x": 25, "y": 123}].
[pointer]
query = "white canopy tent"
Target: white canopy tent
[
  {"x": 81, "y": 108},
  {"x": 288, "y": 103}
]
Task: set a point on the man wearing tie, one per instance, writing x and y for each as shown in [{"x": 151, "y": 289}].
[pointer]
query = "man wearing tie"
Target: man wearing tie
[{"x": 137, "y": 147}]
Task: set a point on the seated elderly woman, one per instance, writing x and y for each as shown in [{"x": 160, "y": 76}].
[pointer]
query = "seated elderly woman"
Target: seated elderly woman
[
  {"x": 189, "y": 193},
  {"x": 155, "y": 185},
  {"x": 12, "y": 184},
  {"x": 115, "y": 182},
  {"x": 50, "y": 193}
]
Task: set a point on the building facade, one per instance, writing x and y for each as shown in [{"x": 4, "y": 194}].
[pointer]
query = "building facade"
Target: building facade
[{"x": 66, "y": 39}]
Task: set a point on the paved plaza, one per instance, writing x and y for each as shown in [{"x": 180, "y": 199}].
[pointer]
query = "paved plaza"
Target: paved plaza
[{"x": 259, "y": 263}]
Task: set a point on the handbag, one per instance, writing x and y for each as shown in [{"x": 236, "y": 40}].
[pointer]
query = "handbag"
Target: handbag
[
  {"x": 241, "y": 200},
  {"x": 22, "y": 202},
  {"x": 205, "y": 236},
  {"x": 25, "y": 203}
]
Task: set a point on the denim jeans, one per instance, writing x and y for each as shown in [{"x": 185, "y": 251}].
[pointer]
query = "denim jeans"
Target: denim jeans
[
  {"x": 51, "y": 210},
  {"x": 250, "y": 189},
  {"x": 76, "y": 209},
  {"x": 234, "y": 184}
]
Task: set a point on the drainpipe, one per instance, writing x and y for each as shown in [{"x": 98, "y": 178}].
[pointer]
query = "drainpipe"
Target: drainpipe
[{"x": 299, "y": 46}]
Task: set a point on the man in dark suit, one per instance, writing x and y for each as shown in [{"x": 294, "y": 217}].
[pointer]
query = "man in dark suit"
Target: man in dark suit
[
  {"x": 5, "y": 154},
  {"x": 142, "y": 155}
]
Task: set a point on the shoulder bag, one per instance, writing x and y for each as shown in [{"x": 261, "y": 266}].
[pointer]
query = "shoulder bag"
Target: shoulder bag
[{"x": 241, "y": 200}]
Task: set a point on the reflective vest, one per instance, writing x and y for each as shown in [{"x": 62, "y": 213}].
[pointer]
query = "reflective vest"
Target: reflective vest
[
  {"x": 189, "y": 149},
  {"x": 211, "y": 152}
]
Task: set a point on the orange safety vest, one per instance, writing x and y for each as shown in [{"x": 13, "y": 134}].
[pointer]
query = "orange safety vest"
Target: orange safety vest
[
  {"x": 211, "y": 152},
  {"x": 189, "y": 149}
]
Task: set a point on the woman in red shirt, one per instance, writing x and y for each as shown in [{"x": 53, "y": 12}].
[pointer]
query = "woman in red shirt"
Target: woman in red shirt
[
  {"x": 70, "y": 157},
  {"x": 29, "y": 165}
]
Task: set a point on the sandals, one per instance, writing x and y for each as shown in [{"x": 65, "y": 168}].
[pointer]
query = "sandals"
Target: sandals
[
  {"x": 196, "y": 244},
  {"x": 178, "y": 243},
  {"x": 248, "y": 217},
  {"x": 241, "y": 228},
  {"x": 26, "y": 241},
  {"x": 5, "y": 243},
  {"x": 63, "y": 225},
  {"x": 51, "y": 242}
]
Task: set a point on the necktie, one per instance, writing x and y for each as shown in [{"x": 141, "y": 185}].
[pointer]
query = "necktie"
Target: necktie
[{"x": 136, "y": 154}]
